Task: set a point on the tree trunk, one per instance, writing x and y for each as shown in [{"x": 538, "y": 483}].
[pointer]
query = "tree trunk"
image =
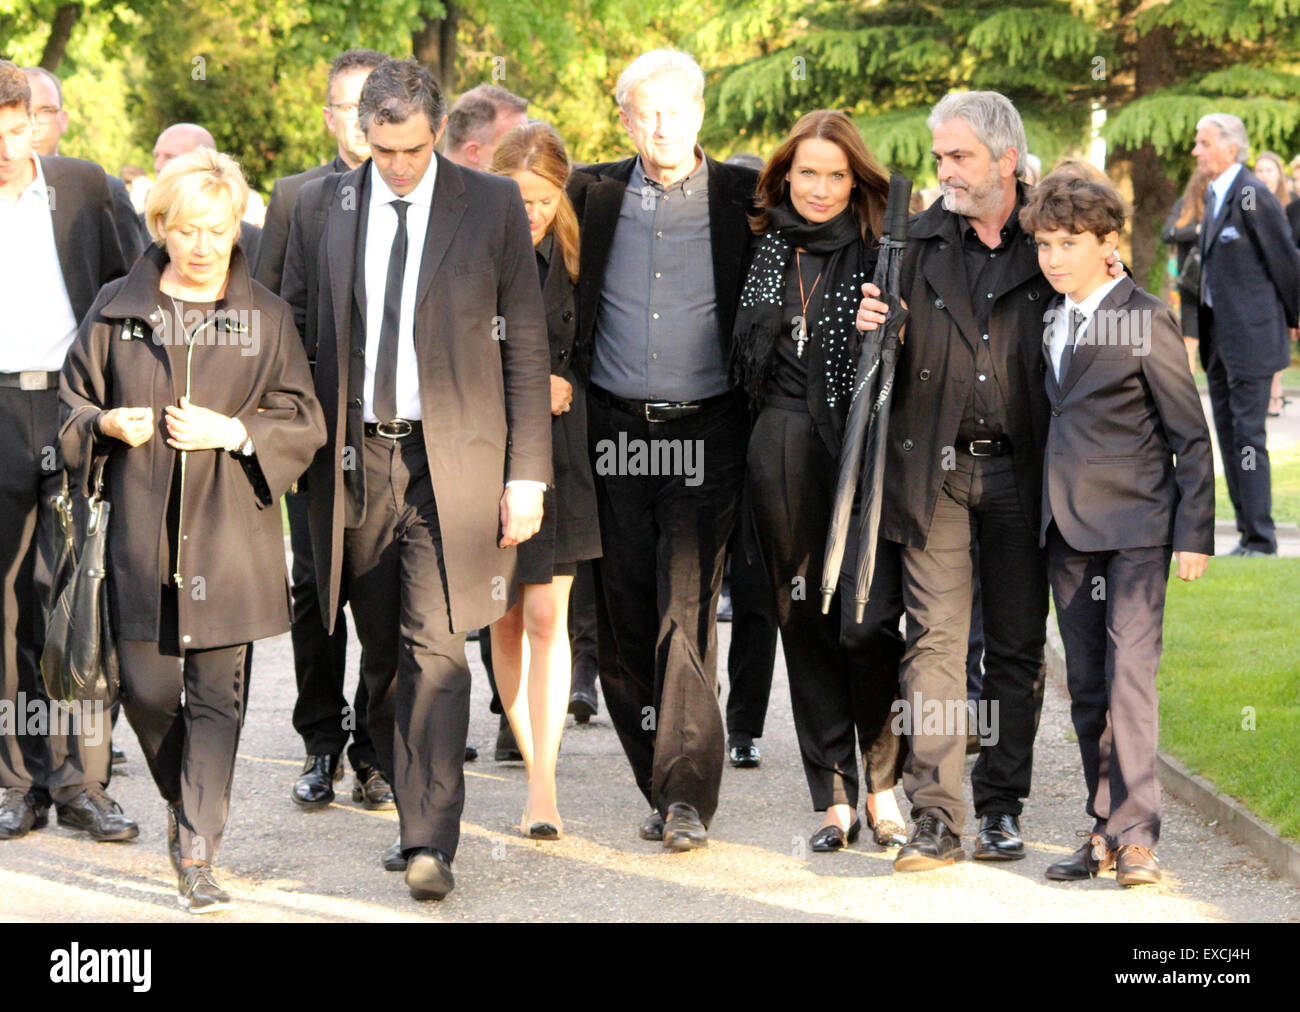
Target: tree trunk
[
  {"x": 434, "y": 45},
  {"x": 1153, "y": 191},
  {"x": 65, "y": 19}
]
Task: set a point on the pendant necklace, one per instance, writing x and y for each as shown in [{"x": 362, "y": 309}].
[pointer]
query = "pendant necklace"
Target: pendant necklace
[{"x": 802, "y": 336}]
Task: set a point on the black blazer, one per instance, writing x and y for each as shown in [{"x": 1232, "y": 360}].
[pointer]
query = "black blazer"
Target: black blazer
[
  {"x": 130, "y": 229},
  {"x": 268, "y": 265},
  {"x": 597, "y": 195},
  {"x": 1293, "y": 219},
  {"x": 1252, "y": 269},
  {"x": 85, "y": 231},
  {"x": 1120, "y": 416}
]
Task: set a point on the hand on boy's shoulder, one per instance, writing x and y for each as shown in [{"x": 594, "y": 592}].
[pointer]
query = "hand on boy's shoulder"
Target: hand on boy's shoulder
[
  {"x": 1115, "y": 266},
  {"x": 1191, "y": 565}
]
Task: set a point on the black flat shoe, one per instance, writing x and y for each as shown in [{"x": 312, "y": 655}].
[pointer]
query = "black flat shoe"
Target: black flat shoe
[
  {"x": 542, "y": 831},
  {"x": 94, "y": 812},
  {"x": 931, "y": 845},
  {"x": 831, "y": 838},
  {"x": 507, "y": 750},
  {"x": 314, "y": 788},
  {"x": 683, "y": 829},
  {"x": 20, "y": 813},
  {"x": 371, "y": 789},
  {"x": 999, "y": 839},
  {"x": 887, "y": 833},
  {"x": 745, "y": 757},
  {"x": 652, "y": 827},
  {"x": 471, "y": 753},
  {"x": 394, "y": 859},
  {"x": 428, "y": 874},
  {"x": 583, "y": 705}
]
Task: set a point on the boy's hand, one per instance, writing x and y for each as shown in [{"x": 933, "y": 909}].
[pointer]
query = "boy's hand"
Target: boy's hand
[{"x": 1191, "y": 565}]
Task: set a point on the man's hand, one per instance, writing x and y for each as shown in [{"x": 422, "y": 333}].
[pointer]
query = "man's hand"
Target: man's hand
[
  {"x": 1191, "y": 565},
  {"x": 521, "y": 514},
  {"x": 133, "y": 426},
  {"x": 1115, "y": 266},
  {"x": 561, "y": 395},
  {"x": 191, "y": 427},
  {"x": 872, "y": 312}
]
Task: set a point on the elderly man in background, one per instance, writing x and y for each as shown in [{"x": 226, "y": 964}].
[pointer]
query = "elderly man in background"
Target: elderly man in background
[
  {"x": 1250, "y": 296},
  {"x": 664, "y": 249}
]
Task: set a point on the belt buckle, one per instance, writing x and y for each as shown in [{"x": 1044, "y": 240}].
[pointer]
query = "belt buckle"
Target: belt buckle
[
  {"x": 978, "y": 442},
  {"x": 656, "y": 405},
  {"x": 32, "y": 380},
  {"x": 394, "y": 428}
]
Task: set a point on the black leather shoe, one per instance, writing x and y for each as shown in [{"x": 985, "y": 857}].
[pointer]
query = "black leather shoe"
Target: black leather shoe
[
  {"x": 507, "y": 748},
  {"x": 683, "y": 829},
  {"x": 1136, "y": 866},
  {"x": 117, "y": 756},
  {"x": 94, "y": 812},
  {"x": 20, "y": 813},
  {"x": 1242, "y": 551},
  {"x": 830, "y": 838},
  {"x": 428, "y": 874},
  {"x": 583, "y": 705},
  {"x": 394, "y": 859},
  {"x": 745, "y": 757},
  {"x": 471, "y": 753},
  {"x": 652, "y": 828},
  {"x": 1089, "y": 861},
  {"x": 173, "y": 839},
  {"x": 932, "y": 845},
  {"x": 371, "y": 789},
  {"x": 314, "y": 789},
  {"x": 999, "y": 839},
  {"x": 199, "y": 892}
]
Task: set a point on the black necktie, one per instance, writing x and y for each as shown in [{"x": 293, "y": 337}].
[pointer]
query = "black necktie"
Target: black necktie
[
  {"x": 1077, "y": 323},
  {"x": 386, "y": 367},
  {"x": 1207, "y": 223}
]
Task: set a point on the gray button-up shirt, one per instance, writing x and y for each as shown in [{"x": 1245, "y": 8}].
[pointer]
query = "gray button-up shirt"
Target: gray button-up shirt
[{"x": 657, "y": 323}]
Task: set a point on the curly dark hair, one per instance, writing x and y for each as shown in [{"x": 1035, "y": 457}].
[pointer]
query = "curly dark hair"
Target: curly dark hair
[{"x": 397, "y": 89}]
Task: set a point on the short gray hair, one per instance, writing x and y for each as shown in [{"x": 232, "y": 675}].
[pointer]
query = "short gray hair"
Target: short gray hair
[
  {"x": 1231, "y": 129},
  {"x": 654, "y": 63},
  {"x": 991, "y": 116}
]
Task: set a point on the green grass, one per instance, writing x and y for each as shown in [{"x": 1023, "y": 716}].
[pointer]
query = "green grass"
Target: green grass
[
  {"x": 1284, "y": 466},
  {"x": 1232, "y": 654}
]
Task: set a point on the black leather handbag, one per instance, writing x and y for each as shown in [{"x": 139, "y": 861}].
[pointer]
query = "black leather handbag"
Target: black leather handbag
[{"x": 80, "y": 662}]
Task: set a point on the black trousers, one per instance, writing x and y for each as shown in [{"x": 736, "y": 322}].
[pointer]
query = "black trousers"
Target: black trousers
[
  {"x": 665, "y": 537},
  {"x": 583, "y": 636},
  {"x": 752, "y": 654},
  {"x": 58, "y": 765},
  {"x": 1112, "y": 654},
  {"x": 187, "y": 708},
  {"x": 1240, "y": 409},
  {"x": 843, "y": 675},
  {"x": 321, "y": 714},
  {"x": 414, "y": 666},
  {"x": 979, "y": 500}
]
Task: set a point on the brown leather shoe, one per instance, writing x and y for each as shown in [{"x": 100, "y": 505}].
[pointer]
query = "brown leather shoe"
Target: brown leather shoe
[
  {"x": 1136, "y": 866},
  {"x": 1089, "y": 861}
]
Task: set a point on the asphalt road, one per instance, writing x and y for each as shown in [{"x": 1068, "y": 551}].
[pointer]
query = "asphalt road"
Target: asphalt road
[{"x": 282, "y": 864}]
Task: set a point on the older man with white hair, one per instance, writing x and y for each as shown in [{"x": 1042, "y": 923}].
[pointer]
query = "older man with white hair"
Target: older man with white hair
[
  {"x": 1250, "y": 295},
  {"x": 664, "y": 248}
]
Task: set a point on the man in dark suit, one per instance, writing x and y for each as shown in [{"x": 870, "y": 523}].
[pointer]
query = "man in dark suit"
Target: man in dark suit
[
  {"x": 410, "y": 522},
  {"x": 321, "y": 714},
  {"x": 1128, "y": 480},
  {"x": 182, "y": 138},
  {"x": 58, "y": 247},
  {"x": 1250, "y": 296},
  {"x": 49, "y": 120},
  {"x": 664, "y": 249}
]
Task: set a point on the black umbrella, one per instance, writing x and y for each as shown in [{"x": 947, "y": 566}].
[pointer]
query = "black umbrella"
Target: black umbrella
[{"x": 864, "y": 433}]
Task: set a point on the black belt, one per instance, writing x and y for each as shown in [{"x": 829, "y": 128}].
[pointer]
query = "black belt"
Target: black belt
[
  {"x": 998, "y": 447},
  {"x": 31, "y": 380},
  {"x": 658, "y": 411},
  {"x": 396, "y": 428}
]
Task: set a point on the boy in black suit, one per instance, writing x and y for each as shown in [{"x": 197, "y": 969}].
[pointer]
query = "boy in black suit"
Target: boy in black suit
[{"x": 1116, "y": 505}]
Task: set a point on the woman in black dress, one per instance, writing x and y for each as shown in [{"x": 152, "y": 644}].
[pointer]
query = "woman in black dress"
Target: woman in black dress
[
  {"x": 821, "y": 201},
  {"x": 536, "y": 629},
  {"x": 190, "y": 378}
]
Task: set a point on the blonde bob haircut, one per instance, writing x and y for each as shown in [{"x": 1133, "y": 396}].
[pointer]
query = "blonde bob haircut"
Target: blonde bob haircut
[{"x": 189, "y": 185}]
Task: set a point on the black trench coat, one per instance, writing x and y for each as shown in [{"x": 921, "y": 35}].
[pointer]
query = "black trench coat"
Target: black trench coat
[{"x": 234, "y": 588}]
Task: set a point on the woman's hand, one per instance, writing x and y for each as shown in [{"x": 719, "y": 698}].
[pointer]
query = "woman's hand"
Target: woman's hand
[
  {"x": 561, "y": 395},
  {"x": 521, "y": 514},
  {"x": 191, "y": 427},
  {"x": 132, "y": 426}
]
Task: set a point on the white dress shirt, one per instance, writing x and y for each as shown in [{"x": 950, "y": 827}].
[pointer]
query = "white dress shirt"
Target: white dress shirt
[
  {"x": 381, "y": 226},
  {"x": 39, "y": 323},
  {"x": 1061, "y": 332},
  {"x": 1221, "y": 185}
]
